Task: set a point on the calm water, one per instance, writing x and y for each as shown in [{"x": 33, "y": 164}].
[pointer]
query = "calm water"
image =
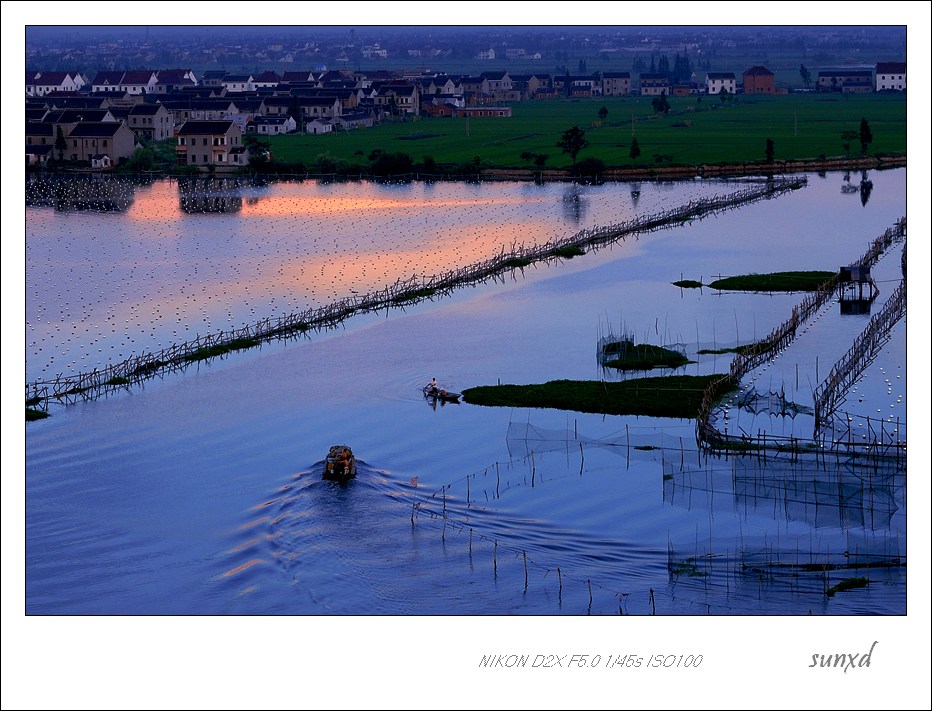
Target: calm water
[{"x": 200, "y": 493}]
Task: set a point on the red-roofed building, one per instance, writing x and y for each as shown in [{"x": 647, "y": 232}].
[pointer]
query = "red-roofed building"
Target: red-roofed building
[{"x": 758, "y": 80}]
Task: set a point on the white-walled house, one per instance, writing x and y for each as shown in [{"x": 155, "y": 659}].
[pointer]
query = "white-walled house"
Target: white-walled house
[
  {"x": 891, "y": 76},
  {"x": 42, "y": 83},
  {"x": 315, "y": 126},
  {"x": 272, "y": 125},
  {"x": 718, "y": 82}
]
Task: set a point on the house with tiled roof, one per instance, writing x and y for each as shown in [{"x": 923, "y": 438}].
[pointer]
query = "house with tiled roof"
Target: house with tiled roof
[
  {"x": 405, "y": 97},
  {"x": 616, "y": 83},
  {"x": 196, "y": 109},
  {"x": 74, "y": 116},
  {"x": 43, "y": 83},
  {"x": 891, "y": 76},
  {"x": 108, "y": 81},
  {"x": 38, "y": 155},
  {"x": 111, "y": 138},
  {"x": 266, "y": 80},
  {"x": 40, "y": 133},
  {"x": 238, "y": 82},
  {"x": 136, "y": 83},
  {"x": 473, "y": 85},
  {"x": 653, "y": 84},
  {"x": 846, "y": 81},
  {"x": 271, "y": 125},
  {"x": 77, "y": 102},
  {"x": 213, "y": 77},
  {"x": 249, "y": 106},
  {"x": 758, "y": 80},
  {"x": 169, "y": 80},
  {"x": 210, "y": 143},
  {"x": 297, "y": 76},
  {"x": 150, "y": 122},
  {"x": 139, "y": 82},
  {"x": 720, "y": 83},
  {"x": 497, "y": 83},
  {"x": 318, "y": 126}
]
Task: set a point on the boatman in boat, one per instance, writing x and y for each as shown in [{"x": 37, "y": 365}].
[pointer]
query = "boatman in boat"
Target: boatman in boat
[{"x": 433, "y": 387}]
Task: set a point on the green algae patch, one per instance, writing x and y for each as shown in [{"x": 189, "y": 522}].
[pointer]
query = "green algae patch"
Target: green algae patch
[
  {"x": 847, "y": 584},
  {"x": 644, "y": 356}
]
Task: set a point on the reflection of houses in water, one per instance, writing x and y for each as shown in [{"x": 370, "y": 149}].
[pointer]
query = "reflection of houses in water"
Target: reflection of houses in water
[
  {"x": 199, "y": 195},
  {"x": 824, "y": 494},
  {"x": 81, "y": 193},
  {"x": 574, "y": 203}
]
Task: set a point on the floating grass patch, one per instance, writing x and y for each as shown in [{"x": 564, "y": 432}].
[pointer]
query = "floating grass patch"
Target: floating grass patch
[
  {"x": 414, "y": 295},
  {"x": 775, "y": 281},
  {"x": 847, "y": 584},
  {"x": 75, "y": 390},
  {"x": 569, "y": 251},
  {"x": 688, "y": 284},
  {"x": 641, "y": 357},
  {"x": 117, "y": 380},
  {"x": 33, "y": 401},
  {"x": 517, "y": 263},
  {"x": 720, "y": 351},
  {"x": 237, "y": 344},
  {"x": 670, "y": 396},
  {"x": 33, "y": 414},
  {"x": 148, "y": 368},
  {"x": 687, "y": 568}
]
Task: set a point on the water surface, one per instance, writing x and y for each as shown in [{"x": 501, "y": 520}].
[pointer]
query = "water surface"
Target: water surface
[{"x": 199, "y": 493}]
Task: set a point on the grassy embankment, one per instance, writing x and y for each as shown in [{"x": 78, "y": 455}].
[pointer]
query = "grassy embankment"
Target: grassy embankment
[{"x": 695, "y": 132}]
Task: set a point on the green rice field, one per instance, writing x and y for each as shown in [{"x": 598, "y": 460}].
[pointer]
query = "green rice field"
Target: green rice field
[{"x": 697, "y": 130}]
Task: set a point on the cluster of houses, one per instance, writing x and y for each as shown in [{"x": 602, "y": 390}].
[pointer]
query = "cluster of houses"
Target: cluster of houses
[{"x": 101, "y": 122}]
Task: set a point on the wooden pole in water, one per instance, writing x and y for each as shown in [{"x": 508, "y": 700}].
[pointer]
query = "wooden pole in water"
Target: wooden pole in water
[{"x": 525, "y": 569}]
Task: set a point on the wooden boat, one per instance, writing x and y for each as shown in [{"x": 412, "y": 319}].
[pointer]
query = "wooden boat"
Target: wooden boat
[
  {"x": 340, "y": 464},
  {"x": 435, "y": 394}
]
